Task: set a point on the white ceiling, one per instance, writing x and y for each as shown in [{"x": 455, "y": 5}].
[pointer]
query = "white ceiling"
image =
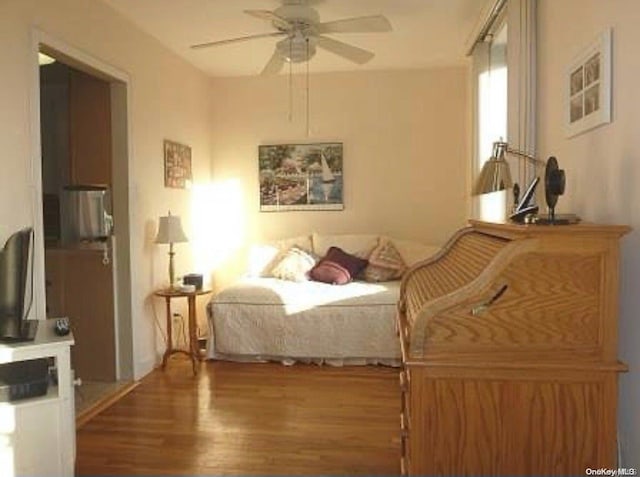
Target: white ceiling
[{"x": 425, "y": 32}]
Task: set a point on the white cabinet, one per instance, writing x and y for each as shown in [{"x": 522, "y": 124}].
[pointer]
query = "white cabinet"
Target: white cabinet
[{"x": 37, "y": 435}]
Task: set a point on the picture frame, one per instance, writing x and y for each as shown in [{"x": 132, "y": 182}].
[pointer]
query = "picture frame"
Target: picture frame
[
  {"x": 301, "y": 177},
  {"x": 177, "y": 165},
  {"x": 588, "y": 87}
]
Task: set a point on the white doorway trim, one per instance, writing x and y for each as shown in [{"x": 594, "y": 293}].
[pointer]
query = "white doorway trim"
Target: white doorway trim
[{"x": 42, "y": 41}]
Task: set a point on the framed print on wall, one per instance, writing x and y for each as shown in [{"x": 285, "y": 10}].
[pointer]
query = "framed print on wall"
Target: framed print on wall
[
  {"x": 588, "y": 87},
  {"x": 177, "y": 165},
  {"x": 300, "y": 177}
]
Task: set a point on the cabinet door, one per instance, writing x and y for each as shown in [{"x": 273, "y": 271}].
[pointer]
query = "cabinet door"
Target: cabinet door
[
  {"x": 89, "y": 304},
  {"x": 37, "y": 443},
  {"x": 89, "y": 129}
]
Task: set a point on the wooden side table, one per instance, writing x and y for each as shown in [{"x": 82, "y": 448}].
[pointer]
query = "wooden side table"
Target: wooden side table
[{"x": 193, "y": 351}]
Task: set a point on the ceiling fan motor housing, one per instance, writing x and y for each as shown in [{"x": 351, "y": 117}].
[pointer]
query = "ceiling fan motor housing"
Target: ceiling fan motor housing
[
  {"x": 300, "y": 46},
  {"x": 301, "y": 15}
]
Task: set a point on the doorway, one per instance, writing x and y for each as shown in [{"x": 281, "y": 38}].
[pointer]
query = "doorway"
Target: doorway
[{"x": 83, "y": 118}]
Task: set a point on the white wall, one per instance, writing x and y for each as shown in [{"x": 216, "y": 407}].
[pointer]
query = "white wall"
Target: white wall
[
  {"x": 405, "y": 136},
  {"x": 602, "y": 165},
  {"x": 168, "y": 99}
]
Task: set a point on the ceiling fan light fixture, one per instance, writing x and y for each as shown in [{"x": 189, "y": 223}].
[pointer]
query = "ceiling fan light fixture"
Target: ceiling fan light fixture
[{"x": 296, "y": 50}]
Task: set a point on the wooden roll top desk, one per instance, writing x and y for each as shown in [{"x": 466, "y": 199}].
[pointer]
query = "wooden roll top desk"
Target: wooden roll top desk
[{"x": 509, "y": 343}]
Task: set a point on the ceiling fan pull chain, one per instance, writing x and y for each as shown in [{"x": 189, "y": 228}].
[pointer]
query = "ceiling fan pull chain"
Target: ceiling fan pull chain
[
  {"x": 308, "y": 128},
  {"x": 290, "y": 80}
]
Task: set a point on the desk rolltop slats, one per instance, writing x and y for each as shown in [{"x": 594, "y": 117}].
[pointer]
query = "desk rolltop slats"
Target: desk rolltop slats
[{"x": 461, "y": 260}]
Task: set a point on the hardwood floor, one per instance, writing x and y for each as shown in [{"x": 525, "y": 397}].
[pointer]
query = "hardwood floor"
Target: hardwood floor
[{"x": 244, "y": 419}]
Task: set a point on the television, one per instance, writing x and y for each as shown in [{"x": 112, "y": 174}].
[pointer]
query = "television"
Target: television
[{"x": 15, "y": 258}]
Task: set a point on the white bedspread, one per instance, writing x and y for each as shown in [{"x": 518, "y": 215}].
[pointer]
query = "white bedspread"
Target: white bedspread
[{"x": 271, "y": 319}]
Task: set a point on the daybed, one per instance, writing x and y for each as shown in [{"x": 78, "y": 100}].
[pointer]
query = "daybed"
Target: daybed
[{"x": 264, "y": 318}]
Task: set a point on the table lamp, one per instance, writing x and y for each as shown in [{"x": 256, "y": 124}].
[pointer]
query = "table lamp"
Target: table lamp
[{"x": 170, "y": 232}]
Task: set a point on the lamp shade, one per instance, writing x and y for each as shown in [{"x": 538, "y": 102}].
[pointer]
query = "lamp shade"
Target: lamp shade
[
  {"x": 170, "y": 230},
  {"x": 495, "y": 174}
]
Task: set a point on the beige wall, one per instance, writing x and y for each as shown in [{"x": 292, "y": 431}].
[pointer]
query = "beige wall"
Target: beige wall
[
  {"x": 405, "y": 136},
  {"x": 168, "y": 99},
  {"x": 602, "y": 165}
]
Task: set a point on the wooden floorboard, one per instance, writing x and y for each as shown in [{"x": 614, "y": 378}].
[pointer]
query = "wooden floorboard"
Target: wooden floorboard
[{"x": 248, "y": 419}]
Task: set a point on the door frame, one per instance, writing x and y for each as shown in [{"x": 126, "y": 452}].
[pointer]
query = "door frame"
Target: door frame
[{"x": 120, "y": 87}]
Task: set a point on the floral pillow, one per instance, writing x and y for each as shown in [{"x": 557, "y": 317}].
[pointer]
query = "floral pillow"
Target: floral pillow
[
  {"x": 385, "y": 264},
  {"x": 294, "y": 265}
]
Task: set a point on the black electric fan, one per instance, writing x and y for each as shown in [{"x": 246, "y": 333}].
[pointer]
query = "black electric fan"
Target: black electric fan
[{"x": 554, "y": 185}]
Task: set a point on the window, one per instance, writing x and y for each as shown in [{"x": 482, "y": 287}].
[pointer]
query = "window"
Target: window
[
  {"x": 503, "y": 58},
  {"x": 491, "y": 80}
]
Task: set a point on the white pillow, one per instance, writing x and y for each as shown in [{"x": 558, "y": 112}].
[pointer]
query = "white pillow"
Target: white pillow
[
  {"x": 263, "y": 257},
  {"x": 294, "y": 265},
  {"x": 359, "y": 245},
  {"x": 413, "y": 252}
]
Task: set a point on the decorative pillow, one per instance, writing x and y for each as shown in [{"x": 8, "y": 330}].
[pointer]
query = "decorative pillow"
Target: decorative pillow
[
  {"x": 337, "y": 267},
  {"x": 294, "y": 265},
  {"x": 269, "y": 255},
  {"x": 385, "y": 263}
]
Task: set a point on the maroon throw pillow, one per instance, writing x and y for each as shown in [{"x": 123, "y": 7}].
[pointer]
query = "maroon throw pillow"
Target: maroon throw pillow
[{"x": 337, "y": 267}]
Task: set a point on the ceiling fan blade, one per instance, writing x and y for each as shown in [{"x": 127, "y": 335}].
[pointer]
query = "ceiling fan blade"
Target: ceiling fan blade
[
  {"x": 277, "y": 20},
  {"x": 350, "y": 52},
  {"x": 368, "y": 24},
  {"x": 274, "y": 66},
  {"x": 237, "y": 40}
]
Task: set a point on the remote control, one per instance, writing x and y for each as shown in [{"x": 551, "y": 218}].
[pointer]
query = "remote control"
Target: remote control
[{"x": 62, "y": 327}]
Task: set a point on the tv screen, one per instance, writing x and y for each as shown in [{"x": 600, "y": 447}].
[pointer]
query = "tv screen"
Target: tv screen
[{"x": 14, "y": 274}]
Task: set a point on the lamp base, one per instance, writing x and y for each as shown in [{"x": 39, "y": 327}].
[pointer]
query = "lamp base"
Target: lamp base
[{"x": 172, "y": 278}]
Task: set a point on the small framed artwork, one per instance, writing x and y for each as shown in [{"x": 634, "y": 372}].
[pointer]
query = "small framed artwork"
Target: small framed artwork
[
  {"x": 588, "y": 87},
  {"x": 300, "y": 177},
  {"x": 177, "y": 165}
]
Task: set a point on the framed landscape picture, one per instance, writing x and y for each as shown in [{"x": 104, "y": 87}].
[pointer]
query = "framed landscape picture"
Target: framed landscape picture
[
  {"x": 300, "y": 177},
  {"x": 177, "y": 165},
  {"x": 588, "y": 87}
]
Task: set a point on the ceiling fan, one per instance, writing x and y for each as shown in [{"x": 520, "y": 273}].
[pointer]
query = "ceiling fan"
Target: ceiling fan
[{"x": 302, "y": 32}]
